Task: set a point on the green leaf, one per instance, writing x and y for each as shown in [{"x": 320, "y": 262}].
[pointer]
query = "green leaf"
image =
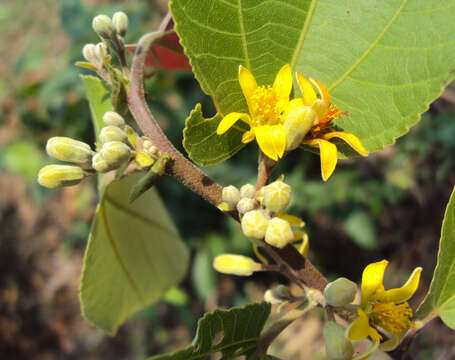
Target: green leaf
[
  {"x": 24, "y": 158},
  {"x": 202, "y": 143},
  {"x": 440, "y": 299},
  {"x": 359, "y": 226},
  {"x": 239, "y": 329},
  {"x": 134, "y": 253},
  {"x": 383, "y": 61}
]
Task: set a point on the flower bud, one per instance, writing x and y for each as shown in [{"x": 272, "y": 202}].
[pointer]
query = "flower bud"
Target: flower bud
[
  {"x": 115, "y": 153},
  {"x": 103, "y": 26},
  {"x": 297, "y": 124},
  {"x": 120, "y": 21},
  {"x": 67, "y": 149},
  {"x": 279, "y": 233},
  {"x": 112, "y": 133},
  {"x": 337, "y": 346},
  {"x": 248, "y": 191},
  {"x": 114, "y": 119},
  {"x": 99, "y": 164},
  {"x": 277, "y": 196},
  {"x": 89, "y": 53},
  {"x": 320, "y": 107},
  {"x": 340, "y": 292},
  {"x": 231, "y": 195},
  {"x": 254, "y": 224},
  {"x": 101, "y": 51},
  {"x": 246, "y": 204},
  {"x": 235, "y": 265},
  {"x": 53, "y": 176}
]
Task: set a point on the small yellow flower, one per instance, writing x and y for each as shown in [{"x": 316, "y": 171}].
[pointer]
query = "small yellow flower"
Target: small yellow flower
[
  {"x": 387, "y": 309},
  {"x": 267, "y": 106},
  {"x": 320, "y": 133}
]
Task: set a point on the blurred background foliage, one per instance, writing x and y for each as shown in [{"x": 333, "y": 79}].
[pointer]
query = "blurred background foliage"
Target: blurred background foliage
[{"x": 389, "y": 205}]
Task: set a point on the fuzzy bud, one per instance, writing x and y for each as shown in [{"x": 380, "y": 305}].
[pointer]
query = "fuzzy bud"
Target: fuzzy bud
[
  {"x": 115, "y": 153},
  {"x": 114, "y": 119},
  {"x": 53, "y": 176},
  {"x": 248, "y": 191},
  {"x": 67, "y": 149},
  {"x": 254, "y": 224},
  {"x": 90, "y": 54},
  {"x": 231, "y": 195},
  {"x": 235, "y": 265},
  {"x": 340, "y": 292},
  {"x": 120, "y": 21},
  {"x": 279, "y": 233},
  {"x": 99, "y": 164},
  {"x": 112, "y": 133},
  {"x": 103, "y": 26},
  {"x": 337, "y": 346},
  {"x": 277, "y": 196},
  {"x": 297, "y": 124},
  {"x": 101, "y": 51},
  {"x": 246, "y": 204}
]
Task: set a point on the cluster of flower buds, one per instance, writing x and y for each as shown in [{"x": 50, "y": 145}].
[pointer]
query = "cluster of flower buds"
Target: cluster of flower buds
[
  {"x": 95, "y": 54},
  {"x": 117, "y": 145},
  {"x": 108, "y": 28}
]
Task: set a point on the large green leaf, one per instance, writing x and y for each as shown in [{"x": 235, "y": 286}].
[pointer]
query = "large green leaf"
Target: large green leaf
[
  {"x": 383, "y": 61},
  {"x": 238, "y": 328},
  {"x": 134, "y": 253},
  {"x": 440, "y": 299}
]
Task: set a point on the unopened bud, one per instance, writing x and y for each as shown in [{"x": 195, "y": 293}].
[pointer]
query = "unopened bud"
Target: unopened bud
[
  {"x": 53, "y": 176},
  {"x": 340, "y": 292},
  {"x": 67, "y": 149},
  {"x": 112, "y": 133},
  {"x": 320, "y": 107},
  {"x": 99, "y": 164},
  {"x": 277, "y": 196},
  {"x": 254, "y": 224},
  {"x": 248, "y": 191},
  {"x": 114, "y": 119},
  {"x": 337, "y": 346},
  {"x": 103, "y": 26},
  {"x": 231, "y": 195},
  {"x": 101, "y": 51},
  {"x": 279, "y": 233},
  {"x": 297, "y": 124},
  {"x": 246, "y": 204},
  {"x": 235, "y": 265},
  {"x": 115, "y": 153},
  {"x": 120, "y": 21},
  {"x": 89, "y": 53}
]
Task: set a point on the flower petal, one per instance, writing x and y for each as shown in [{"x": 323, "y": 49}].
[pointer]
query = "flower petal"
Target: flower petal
[
  {"x": 329, "y": 156},
  {"x": 325, "y": 96},
  {"x": 283, "y": 83},
  {"x": 291, "y": 219},
  {"x": 248, "y": 136},
  {"x": 391, "y": 343},
  {"x": 352, "y": 140},
  {"x": 359, "y": 328},
  {"x": 271, "y": 140},
  {"x": 405, "y": 292},
  {"x": 229, "y": 120},
  {"x": 247, "y": 83},
  {"x": 309, "y": 95},
  {"x": 372, "y": 278}
]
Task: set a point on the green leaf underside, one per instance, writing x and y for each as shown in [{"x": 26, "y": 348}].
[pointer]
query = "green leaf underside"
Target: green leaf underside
[
  {"x": 134, "y": 253},
  {"x": 440, "y": 299},
  {"x": 239, "y": 329},
  {"x": 384, "y": 62},
  {"x": 203, "y": 145}
]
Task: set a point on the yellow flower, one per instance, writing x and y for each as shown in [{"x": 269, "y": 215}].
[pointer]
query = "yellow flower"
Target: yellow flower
[
  {"x": 387, "y": 309},
  {"x": 320, "y": 133},
  {"x": 266, "y": 107}
]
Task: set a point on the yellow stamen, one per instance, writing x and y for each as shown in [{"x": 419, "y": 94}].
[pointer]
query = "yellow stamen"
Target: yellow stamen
[
  {"x": 394, "y": 318},
  {"x": 264, "y": 106}
]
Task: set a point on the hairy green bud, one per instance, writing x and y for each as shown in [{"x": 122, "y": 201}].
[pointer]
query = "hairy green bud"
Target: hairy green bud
[
  {"x": 337, "y": 346},
  {"x": 99, "y": 164},
  {"x": 115, "y": 153},
  {"x": 120, "y": 21},
  {"x": 246, "y": 204},
  {"x": 53, "y": 176},
  {"x": 112, "y": 133},
  {"x": 254, "y": 224},
  {"x": 277, "y": 196},
  {"x": 248, "y": 191},
  {"x": 235, "y": 265},
  {"x": 90, "y": 54},
  {"x": 279, "y": 233},
  {"x": 340, "y": 292},
  {"x": 103, "y": 26},
  {"x": 297, "y": 124},
  {"x": 114, "y": 119},
  {"x": 67, "y": 149},
  {"x": 231, "y": 195}
]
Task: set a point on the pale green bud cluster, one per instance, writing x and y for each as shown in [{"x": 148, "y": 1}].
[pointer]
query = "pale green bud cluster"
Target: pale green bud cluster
[
  {"x": 337, "y": 346},
  {"x": 53, "y": 176},
  {"x": 340, "y": 292},
  {"x": 243, "y": 200},
  {"x": 111, "y": 30},
  {"x": 235, "y": 264}
]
